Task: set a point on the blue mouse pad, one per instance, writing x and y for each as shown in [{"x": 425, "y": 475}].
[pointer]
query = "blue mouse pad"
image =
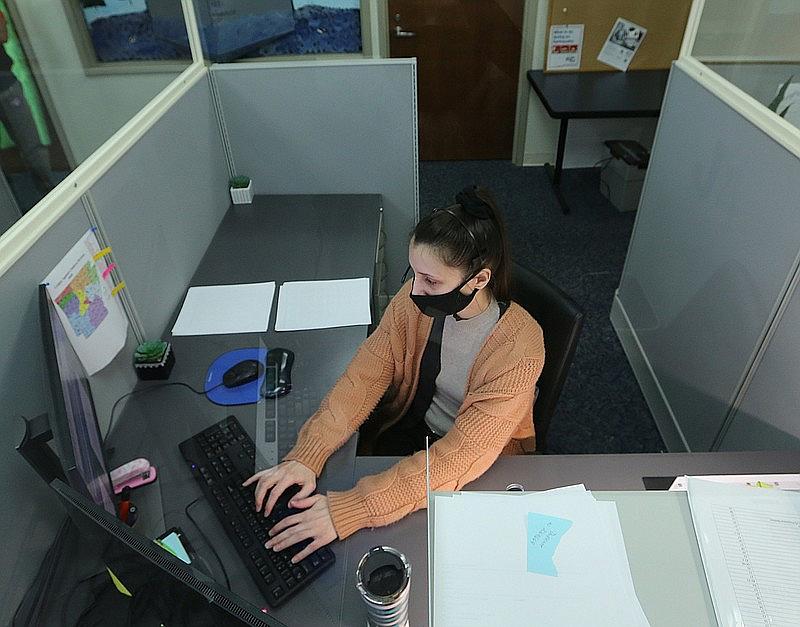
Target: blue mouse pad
[{"x": 243, "y": 394}]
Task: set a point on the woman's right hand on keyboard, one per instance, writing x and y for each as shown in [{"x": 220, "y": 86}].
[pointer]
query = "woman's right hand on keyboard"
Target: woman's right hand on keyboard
[{"x": 276, "y": 479}]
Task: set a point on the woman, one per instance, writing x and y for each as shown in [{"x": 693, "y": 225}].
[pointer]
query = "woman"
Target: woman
[{"x": 452, "y": 359}]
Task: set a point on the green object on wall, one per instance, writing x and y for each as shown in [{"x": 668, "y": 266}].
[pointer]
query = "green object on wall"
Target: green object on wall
[{"x": 23, "y": 74}]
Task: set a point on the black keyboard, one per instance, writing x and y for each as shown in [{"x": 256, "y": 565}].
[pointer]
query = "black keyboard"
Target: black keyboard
[{"x": 221, "y": 458}]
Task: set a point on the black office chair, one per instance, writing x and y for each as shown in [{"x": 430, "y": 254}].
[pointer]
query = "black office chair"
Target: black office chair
[{"x": 561, "y": 319}]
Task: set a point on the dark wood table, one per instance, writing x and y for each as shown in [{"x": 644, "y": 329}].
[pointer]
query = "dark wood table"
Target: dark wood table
[{"x": 585, "y": 95}]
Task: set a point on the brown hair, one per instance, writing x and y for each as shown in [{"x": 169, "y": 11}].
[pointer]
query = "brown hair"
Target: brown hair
[{"x": 470, "y": 235}]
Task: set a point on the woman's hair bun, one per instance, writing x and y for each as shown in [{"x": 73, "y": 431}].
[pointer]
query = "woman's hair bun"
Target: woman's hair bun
[{"x": 473, "y": 204}]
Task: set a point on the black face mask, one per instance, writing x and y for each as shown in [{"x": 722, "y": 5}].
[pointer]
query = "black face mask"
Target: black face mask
[{"x": 441, "y": 305}]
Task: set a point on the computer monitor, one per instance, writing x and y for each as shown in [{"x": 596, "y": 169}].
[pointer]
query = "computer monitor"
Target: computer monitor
[
  {"x": 73, "y": 418},
  {"x": 164, "y": 589}
]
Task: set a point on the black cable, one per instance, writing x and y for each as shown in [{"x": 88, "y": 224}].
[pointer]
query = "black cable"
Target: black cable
[
  {"x": 37, "y": 593},
  {"x": 149, "y": 389},
  {"x": 604, "y": 161},
  {"x": 210, "y": 546},
  {"x": 67, "y": 600}
]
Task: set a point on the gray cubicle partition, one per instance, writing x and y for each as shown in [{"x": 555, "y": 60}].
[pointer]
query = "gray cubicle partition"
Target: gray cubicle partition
[
  {"x": 767, "y": 416},
  {"x": 159, "y": 206},
  {"x": 714, "y": 247},
  {"x": 30, "y": 513},
  {"x": 335, "y": 127},
  {"x": 161, "y": 203}
]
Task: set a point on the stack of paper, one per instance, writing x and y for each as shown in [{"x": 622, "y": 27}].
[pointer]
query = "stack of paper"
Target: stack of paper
[
  {"x": 750, "y": 544},
  {"x": 546, "y": 558}
]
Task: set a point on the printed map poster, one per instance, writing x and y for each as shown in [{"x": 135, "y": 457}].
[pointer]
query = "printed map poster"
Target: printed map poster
[
  {"x": 80, "y": 287},
  {"x": 564, "y": 51}
]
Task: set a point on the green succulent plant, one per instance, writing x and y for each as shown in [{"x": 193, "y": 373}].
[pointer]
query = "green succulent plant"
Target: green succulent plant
[
  {"x": 240, "y": 181},
  {"x": 150, "y": 352}
]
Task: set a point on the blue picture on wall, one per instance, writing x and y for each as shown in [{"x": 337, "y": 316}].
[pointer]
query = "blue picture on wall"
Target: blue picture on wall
[{"x": 132, "y": 30}]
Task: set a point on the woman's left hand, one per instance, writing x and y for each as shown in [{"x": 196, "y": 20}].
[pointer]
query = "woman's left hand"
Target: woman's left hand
[{"x": 314, "y": 523}]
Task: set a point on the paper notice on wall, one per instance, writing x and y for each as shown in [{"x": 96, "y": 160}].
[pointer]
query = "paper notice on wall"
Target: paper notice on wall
[
  {"x": 564, "y": 50},
  {"x": 621, "y": 44},
  {"x": 80, "y": 287}
]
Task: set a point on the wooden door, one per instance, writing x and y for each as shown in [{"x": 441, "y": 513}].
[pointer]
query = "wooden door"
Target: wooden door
[{"x": 467, "y": 73}]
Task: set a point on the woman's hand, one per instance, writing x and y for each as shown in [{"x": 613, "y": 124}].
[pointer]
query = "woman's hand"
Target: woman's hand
[
  {"x": 276, "y": 479},
  {"x": 314, "y": 523}
]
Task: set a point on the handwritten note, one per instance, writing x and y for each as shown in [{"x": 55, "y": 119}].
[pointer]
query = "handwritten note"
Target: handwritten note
[{"x": 544, "y": 535}]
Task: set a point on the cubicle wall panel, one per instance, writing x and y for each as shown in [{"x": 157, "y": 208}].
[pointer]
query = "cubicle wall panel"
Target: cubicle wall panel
[
  {"x": 30, "y": 514},
  {"x": 767, "y": 417},
  {"x": 328, "y": 128},
  {"x": 716, "y": 236},
  {"x": 161, "y": 203}
]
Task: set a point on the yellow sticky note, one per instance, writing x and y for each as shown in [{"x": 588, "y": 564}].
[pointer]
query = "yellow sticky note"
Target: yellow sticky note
[
  {"x": 764, "y": 484},
  {"x": 118, "y": 584},
  {"x": 117, "y": 288},
  {"x": 102, "y": 253}
]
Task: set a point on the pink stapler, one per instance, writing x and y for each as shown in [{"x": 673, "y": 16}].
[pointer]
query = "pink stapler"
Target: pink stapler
[{"x": 133, "y": 474}]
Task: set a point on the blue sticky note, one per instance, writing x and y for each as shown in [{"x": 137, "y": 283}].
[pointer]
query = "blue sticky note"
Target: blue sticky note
[
  {"x": 173, "y": 544},
  {"x": 544, "y": 535}
]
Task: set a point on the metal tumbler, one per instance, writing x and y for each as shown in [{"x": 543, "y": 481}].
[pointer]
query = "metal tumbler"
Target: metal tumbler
[{"x": 383, "y": 578}]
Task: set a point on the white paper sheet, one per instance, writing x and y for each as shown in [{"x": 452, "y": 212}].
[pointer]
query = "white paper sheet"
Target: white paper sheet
[
  {"x": 94, "y": 320},
  {"x": 481, "y": 575},
  {"x": 217, "y": 309},
  {"x": 621, "y": 44},
  {"x": 749, "y": 540},
  {"x": 564, "y": 51},
  {"x": 323, "y": 304},
  {"x": 782, "y": 481}
]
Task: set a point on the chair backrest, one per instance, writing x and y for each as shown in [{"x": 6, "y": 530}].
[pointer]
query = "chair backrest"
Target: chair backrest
[{"x": 561, "y": 319}]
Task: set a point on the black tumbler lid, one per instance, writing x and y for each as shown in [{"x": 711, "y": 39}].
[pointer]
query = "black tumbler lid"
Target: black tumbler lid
[{"x": 382, "y": 572}]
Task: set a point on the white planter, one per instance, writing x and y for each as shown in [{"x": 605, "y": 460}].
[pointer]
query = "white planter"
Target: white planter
[{"x": 242, "y": 195}]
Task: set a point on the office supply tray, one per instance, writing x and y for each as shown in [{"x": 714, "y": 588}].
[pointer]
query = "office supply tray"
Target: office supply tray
[{"x": 221, "y": 457}]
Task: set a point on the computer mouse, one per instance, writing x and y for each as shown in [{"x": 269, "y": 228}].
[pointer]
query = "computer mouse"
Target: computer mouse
[
  {"x": 241, "y": 373},
  {"x": 278, "y": 378}
]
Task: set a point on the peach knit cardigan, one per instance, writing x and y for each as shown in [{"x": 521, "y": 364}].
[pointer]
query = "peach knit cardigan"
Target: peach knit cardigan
[{"x": 494, "y": 418}]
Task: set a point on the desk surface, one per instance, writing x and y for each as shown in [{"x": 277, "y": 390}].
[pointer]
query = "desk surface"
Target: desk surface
[
  {"x": 278, "y": 238},
  {"x": 600, "y": 94},
  {"x": 664, "y": 559}
]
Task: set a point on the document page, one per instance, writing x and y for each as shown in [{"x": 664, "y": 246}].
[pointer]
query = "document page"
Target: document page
[
  {"x": 750, "y": 544},
  {"x": 323, "y": 304},
  {"x": 218, "y": 309},
  {"x": 558, "y": 556}
]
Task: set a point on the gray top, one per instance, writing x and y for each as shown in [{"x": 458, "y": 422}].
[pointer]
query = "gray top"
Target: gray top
[{"x": 461, "y": 341}]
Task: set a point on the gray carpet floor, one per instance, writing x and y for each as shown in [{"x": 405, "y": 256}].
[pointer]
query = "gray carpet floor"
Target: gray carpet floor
[{"x": 601, "y": 409}]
